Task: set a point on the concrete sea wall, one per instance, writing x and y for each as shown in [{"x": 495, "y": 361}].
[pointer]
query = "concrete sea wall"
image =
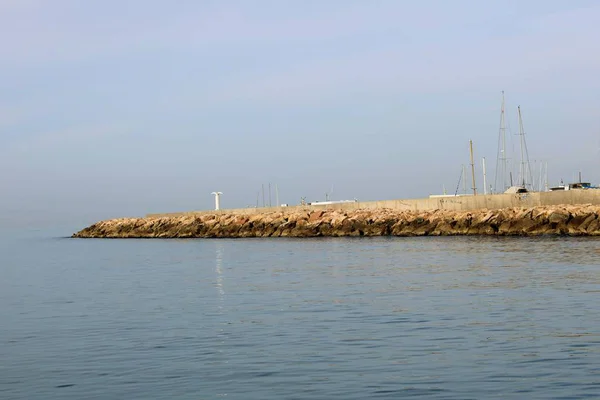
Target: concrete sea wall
[
  {"x": 575, "y": 220},
  {"x": 458, "y": 203}
]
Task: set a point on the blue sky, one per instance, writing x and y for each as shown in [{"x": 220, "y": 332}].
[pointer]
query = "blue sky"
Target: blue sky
[{"x": 111, "y": 108}]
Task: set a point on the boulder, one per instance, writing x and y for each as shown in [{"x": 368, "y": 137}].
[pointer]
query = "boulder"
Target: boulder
[{"x": 554, "y": 220}]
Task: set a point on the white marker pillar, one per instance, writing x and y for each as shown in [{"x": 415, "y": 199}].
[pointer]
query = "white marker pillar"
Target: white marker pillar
[{"x": 217, "y": 200}]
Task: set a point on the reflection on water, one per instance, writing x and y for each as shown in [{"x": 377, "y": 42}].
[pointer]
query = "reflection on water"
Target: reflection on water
[
  {"x": 350, "y": 318},
  {"x": 219, "y": 249}
]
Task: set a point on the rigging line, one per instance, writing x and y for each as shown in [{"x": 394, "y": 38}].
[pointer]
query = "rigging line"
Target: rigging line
[{"x": 459, "y": 179}]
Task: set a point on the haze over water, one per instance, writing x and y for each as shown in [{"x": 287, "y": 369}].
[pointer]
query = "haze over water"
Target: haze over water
[{"x": 439, "y": 318}]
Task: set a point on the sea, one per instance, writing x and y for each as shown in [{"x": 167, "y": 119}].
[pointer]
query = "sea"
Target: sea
[{"x": 325, "y": 318}]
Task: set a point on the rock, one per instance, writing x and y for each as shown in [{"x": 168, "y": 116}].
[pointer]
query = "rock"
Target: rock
[
  {"x": 555, "y": 220},
  {"x": 593, "y": 228},
  {"x": 559, "y": 217},
  {"x": 315, "y": 216},
  {"x": 586, "y": 223}
]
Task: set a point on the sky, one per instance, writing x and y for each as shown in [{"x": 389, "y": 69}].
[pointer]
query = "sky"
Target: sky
[{"x": 122, "y": 108}]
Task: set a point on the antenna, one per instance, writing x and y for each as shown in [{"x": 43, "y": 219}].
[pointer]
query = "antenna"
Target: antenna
[
  {"x": 277, "y": 204},
  {"x": 328, "y": 194}
]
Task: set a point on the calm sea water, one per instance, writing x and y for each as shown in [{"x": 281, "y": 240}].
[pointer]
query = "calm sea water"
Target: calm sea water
[{"x": 438, "y": 318}]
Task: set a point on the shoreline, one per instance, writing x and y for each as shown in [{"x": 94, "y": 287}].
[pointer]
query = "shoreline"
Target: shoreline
[{"x": 565, "y": 220}]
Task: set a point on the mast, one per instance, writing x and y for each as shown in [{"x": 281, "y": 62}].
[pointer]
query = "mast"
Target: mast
[
  {"x": 525, "y": 177},
  {"x": 472, "y": 168},
  {"x": 540, "y": 183},
  {"x": 484, "y": 177},
  {"x": 533, "y": 173},
  {"x": 464, "y": 179},
  {"x": 546, "y": 177},
  {"x": 270, "y": 204},
  {"x": 462, "y": 171},
  {"x": 502, "y": 161}
]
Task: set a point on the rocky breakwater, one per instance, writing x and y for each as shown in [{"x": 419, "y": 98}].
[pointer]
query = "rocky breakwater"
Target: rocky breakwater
[{"x": 573, "y": 220}]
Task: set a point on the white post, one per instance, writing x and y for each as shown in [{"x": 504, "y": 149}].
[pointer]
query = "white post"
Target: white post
[
  {"x": 484, "y": 178},
  {"x": 217, "y": 200}
]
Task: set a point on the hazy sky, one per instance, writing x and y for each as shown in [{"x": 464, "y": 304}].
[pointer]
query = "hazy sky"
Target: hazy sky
[{"x": 111, "y": 108}]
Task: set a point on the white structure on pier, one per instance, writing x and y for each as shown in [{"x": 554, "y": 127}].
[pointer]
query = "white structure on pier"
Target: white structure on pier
[{"x": 217, "y": 200}]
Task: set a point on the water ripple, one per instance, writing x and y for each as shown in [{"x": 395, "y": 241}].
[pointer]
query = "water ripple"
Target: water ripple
[{"x": 436, "y": 318}]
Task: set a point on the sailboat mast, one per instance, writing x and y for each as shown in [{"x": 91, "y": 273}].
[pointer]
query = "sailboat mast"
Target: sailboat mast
[
  {"x": 522, "y": 137},
  {"x": 546, "y": 177},
  {"x": 503, "y": 130},
  {"x": 472, "y": 168},
  {"x": 541, "y": 185},
  {"x": 484, "y": 177},
  {"x": 525, "y": 177},
  {"x": 500, "y": 176},
  {"x": 464, "y": 179}
]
